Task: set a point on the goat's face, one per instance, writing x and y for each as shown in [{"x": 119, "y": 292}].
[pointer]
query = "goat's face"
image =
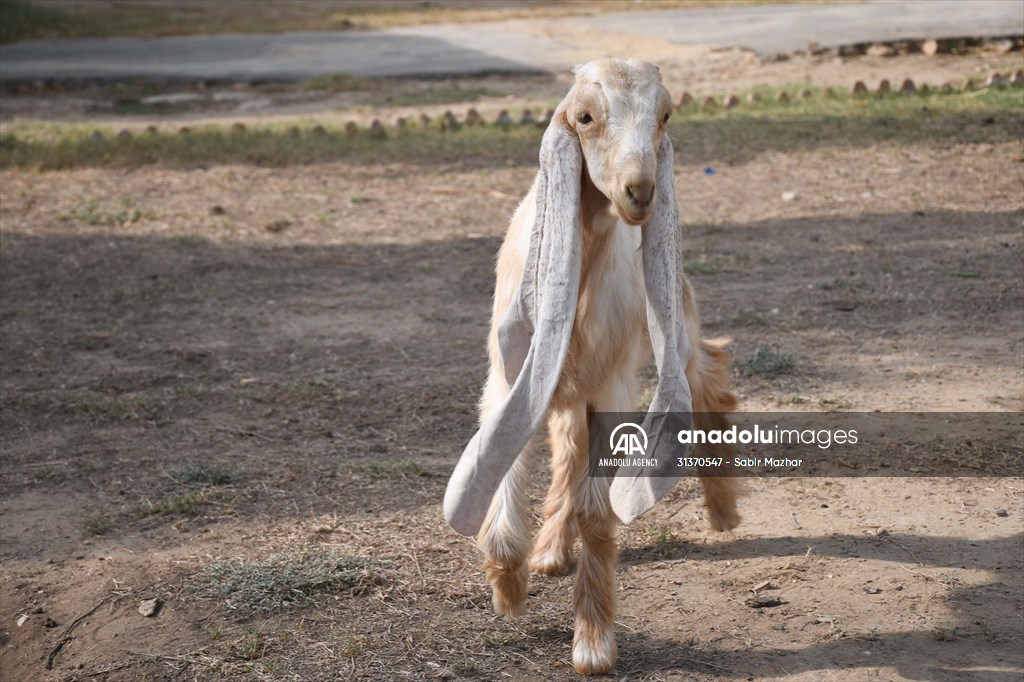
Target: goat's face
[{"x": 619, "y": 110}]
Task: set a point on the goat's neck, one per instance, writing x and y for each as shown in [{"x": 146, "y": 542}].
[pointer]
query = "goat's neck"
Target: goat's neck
[{"x": 597, "y": 223}]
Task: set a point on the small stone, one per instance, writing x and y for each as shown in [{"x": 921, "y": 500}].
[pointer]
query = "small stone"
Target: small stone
[
  {"x": 96, "y": 137},
  {"x": 930, "y": 47},
  {"x": 217, "y": 210},
  {"x": 377, "y": 131},
  {"x": 151, "y": 130},
  {"x": 732, "y": 101},
  {"x": 880, "y": 50},
  {"x": 184, "y": 130},
  {"x": 149, "y": 607},
  {"x": 278, "y": 226},
  {"x": 908, "y": 87},
  {"x": 789, "y": 196},
  {"x": 401, "y": 123},
  {"x": 473, "y": 118},
  {"x": 1003, "y": 46},
  {"x": 449, "y": 122},
  {"x": 782, "y": 96},
  {"x": 806, "y": 94},
  {"x": 50, "y": 623},
  {"x": 527, "y": 118},
  {"x": 237, "y": 127},
  {"x": 709, "y": 103},
  {"x": 830, "y": 93},
  {"x": 124, "y": 134},
  {"x": 995, "y": 80},
  {"x": 685, "y": 100},
  {"x": 22, "y": 619},
  {"x": 859, "y": 88},
  {"x": 546, "y": 119},
  {"x": 424, "y": 121},
  {"x": 319, "y": 131},
  {"x": 753, "y": 98},
  {"x": 1017, "y": 78},
  {"x": 1002, "y": 513},
  {"x": 884, "y": 87},
  {"x": 503, "y": 120},
  {"x": 351, "y": 129}
]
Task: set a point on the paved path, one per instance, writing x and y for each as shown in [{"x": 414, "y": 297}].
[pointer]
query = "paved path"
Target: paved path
[{"x": 505, "y": 47}]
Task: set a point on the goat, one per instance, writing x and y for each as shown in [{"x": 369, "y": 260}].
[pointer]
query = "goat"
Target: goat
[{"x": 592, "y": 251}]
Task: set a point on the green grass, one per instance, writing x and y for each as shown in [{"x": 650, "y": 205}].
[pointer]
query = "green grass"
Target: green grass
[
  {"x": 734, "y": 136},
  {"x": 767, "y": 362},
  {"x": 442, "y": 95},
  {"x": 301, "y": 577}
]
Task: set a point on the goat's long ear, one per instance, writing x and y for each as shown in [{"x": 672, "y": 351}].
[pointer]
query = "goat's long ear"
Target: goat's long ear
[
  {"x": 635, "y": 489},
  {"x": 533, "y": 336}
]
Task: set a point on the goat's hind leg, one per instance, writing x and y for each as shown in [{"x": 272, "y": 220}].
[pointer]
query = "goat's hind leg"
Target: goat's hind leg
[{"x": 594, "y": 649}]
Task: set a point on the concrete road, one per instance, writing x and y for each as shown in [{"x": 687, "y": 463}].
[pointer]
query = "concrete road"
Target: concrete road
[{"x": 506, "y": 47}]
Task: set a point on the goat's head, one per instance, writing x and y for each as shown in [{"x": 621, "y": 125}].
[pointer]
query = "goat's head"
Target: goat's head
[{"x": 618, "y": 109}]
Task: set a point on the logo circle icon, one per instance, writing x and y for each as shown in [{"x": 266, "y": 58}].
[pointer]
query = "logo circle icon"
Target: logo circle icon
[{"x": 626, "y": 442}]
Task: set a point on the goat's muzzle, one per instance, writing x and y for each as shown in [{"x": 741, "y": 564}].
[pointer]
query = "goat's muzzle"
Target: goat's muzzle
[{"x": 637, "y": 200}]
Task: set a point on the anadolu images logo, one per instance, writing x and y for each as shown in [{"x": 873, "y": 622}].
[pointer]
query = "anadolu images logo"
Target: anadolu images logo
[{"x": 628, "y": 439}]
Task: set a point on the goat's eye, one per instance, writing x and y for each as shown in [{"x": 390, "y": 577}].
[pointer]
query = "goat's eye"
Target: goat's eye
[
  {"x": 664, "y": 119},
  {"x": 584, "y": 118}
]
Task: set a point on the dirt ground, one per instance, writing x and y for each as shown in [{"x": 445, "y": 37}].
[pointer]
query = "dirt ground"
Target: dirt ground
[{"x": 318, "y": 331}]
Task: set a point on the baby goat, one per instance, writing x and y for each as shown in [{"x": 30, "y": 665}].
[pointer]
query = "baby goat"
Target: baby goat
[{"x": 591, "y": 254}]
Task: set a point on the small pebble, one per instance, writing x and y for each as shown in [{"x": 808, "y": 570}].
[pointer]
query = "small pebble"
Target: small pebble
[
  {"x": 1002, "y": 513},
  {"x": 732, "y": 101},
  {"x": 789, "y": 196},
  {"x": 685, "y": 100},
  {"x": 858, "y": 88}
]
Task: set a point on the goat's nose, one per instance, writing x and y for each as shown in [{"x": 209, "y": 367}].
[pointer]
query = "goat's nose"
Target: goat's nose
[{"x": 640, "y": 192}]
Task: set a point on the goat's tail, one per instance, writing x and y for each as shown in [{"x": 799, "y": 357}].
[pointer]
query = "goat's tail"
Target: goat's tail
[{"x": 713, "y": 398}]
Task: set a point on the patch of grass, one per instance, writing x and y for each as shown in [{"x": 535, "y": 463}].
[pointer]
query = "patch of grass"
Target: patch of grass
[
  {"x": 92, "y": 213},
  {"x": 20, "y": 20},
  {"x": 767, "y": 362},
  {"x": 338, "y": 82},
  {"x": 701, "y": 266},
  {"x": 97, "y": 526},
  {"x": 186, "y": 504},
  {"x": 107, "y": 408},
  {"x": 750, "y": 318},
  {"x": 204, "y": 474},
  {"x": 389, "y": 470},
  {"x": 663, "y": 538},
  {"x": 442, "y": 95},
  {"x": 735, "y": 135},
  {"x": 297, "y": 578}
]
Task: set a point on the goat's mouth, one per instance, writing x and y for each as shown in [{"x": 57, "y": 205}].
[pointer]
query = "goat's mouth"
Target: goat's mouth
[{"x": 633, "y": 215}]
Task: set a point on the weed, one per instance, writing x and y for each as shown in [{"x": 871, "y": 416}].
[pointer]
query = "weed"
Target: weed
[
  {"x": 766, "y": 362},
  {"x": 296, "y": 578},
  {"x": 97, "y": 526},
  {"x": 186, "y": 504},
  {"x": 750, "y": 318},
  {"x": 663, "y": 537}
]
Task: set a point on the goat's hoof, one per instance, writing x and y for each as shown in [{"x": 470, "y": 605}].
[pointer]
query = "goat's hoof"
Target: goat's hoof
[
  {"x": 723, "y": 517},
  {"x": 550, "y": 563},
  {"x": 594, "y": 655},
  {"x": 509, "y": 589}
]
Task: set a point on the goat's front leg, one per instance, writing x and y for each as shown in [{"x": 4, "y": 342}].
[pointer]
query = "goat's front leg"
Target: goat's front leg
[
  {"x": 504, "y": 536},
  {"x": 593, "y": 649},
  {"x": 552, "y": 548}
]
